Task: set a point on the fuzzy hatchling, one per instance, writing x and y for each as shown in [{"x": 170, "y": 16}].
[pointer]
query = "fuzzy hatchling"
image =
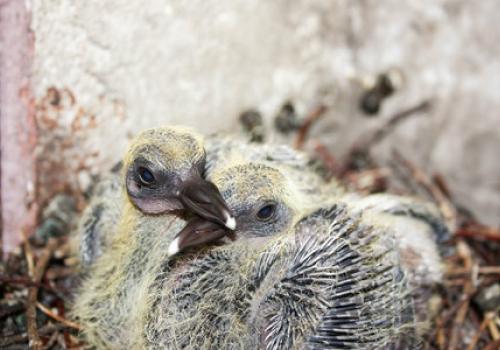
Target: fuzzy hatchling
[
  {"x": 161, "y": 177},
  {"x": 417, "y": 225},
  {"x": 329, "y": 283}
]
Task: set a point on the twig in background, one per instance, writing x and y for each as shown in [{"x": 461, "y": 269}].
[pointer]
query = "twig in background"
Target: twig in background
[
  {"x": 327, "y": 159},
  {"x": 28, "y": 253},
  {"x": 441, "y": 183},
  {"x": 310, "y": 119},
  {"x": 468, "y": 289},
  {"x": 487, "y": 319},
  {"x": 56, "y": 317},
  {"x": 57, "y": 272},
  {"x": 386, "y": 128},
  {"x": 495, "y": 334},
  {"x": 25, "y": 281},
  {"x": 494, "y": 345},
  {"x": 482, "y": 270},
  {"x": 479, "y": 232},
  {"x": 359, "y": 157},
  {"x": 22, "y": 338},
  {"x": 52, "y": 341},
  {"x": 447, "y": 208},
  {"x": 34, "y": 338},
  {"x": 440, "y": 336}
]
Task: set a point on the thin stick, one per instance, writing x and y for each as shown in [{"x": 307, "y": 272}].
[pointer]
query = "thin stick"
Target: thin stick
[
  {"x": 464, "y": 250},
  {"x": 495, "y": 334},
  {"x": 447, "y": 208},
  {"x": 21, "y": 338},
  {"x": 28, "y": 253},
  {"x": 487, "y": 319},
  {"x": 311, "y": 118},
  {"x": 56, "y": 317},
  {"x": 34, "y": 338},
  {"x": 493, "y": 345},
  {"x": 52, "y": 341},
  {"x": 440, "y": 336},
  {"x": 483, "y": 270},
  {"x": 327, "y": 158},
  {"x": 58, "y": 272},
  {"x": 26, "y": 282},
  {"x": 381, "y": 132},
  {"x": 478, "y": 231}
]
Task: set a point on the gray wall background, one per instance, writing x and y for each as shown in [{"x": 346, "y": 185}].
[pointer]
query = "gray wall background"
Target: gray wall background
[{"x": 103, "y": 70}]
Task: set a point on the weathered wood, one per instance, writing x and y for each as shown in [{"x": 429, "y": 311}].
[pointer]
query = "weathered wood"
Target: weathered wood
[{"x": 17, "y": 124}]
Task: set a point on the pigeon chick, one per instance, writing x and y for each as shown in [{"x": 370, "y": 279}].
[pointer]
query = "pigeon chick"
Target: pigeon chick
[
  {"x": 418, "y": 225},
  {"x": 162, "y": 174},
  {"x": 329, "y": 282}
]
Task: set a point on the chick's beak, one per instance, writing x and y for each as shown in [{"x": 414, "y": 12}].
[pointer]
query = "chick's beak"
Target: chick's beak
[
  {"x": 202, "y": 198},
  {"x": 197, "y": 231}
]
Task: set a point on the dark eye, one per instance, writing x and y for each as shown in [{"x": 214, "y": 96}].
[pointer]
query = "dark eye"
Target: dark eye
[
  {"x": 266, "y": 212},
  {"x": 146, "y": 176}
]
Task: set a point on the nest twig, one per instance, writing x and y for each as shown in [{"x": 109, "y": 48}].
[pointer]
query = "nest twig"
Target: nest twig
[{"x": 27, "y": 287}]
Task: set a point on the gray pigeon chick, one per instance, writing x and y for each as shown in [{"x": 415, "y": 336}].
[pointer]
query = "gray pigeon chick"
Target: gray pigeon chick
[
  {"x": 418, "y": 225},
  {"x": 331, "y": 282},
  {"x": 162, "y": 174}
]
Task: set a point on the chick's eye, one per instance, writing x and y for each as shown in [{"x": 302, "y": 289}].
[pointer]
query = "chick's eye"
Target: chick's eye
[
  {"x": 266, "y": 212},
  {"x": 145, "y": 176}
]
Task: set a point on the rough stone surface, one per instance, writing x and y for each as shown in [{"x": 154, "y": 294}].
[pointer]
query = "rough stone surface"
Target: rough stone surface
[{"x": 127, "y": 65}]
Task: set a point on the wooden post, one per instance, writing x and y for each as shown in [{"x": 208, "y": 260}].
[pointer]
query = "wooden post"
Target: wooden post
[{"x": 17, "y": 125}]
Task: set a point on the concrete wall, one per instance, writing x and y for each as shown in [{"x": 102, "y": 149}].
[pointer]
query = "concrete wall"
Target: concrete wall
[{"x": 103, "y": 70}]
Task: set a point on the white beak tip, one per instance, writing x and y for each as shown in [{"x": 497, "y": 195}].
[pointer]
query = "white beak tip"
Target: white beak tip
[
  {"x": 173, "y": 248},
  {"x": 231, "y": 223}
]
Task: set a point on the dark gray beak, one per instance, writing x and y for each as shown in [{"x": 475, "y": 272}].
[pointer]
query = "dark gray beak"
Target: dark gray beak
[
  {"x": 197, "y": 231},
  {"x": 202, "y": 198}
]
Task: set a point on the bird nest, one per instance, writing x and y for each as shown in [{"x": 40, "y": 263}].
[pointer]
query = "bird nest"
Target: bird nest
[{"x": 38, "y": 278}]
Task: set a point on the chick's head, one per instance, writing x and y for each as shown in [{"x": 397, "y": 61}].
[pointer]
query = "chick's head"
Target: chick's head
[
  {"x": 259, "y": 196},
  {"x": 164, "y": 172}
]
